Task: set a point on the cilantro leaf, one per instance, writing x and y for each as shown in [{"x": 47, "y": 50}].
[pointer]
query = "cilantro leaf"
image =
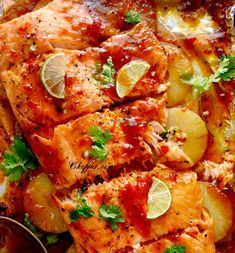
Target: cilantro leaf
[
  {"x": 100, "y": 153},
  {"x": 28, "y": 223},
  {"x": 132, "y": 17},
  {"x": 51, "y": 239},
  {"x": 228, "y": 68},
  {"x": 225, "y": 72},
  {"x": 111, "y": 213},
  {"x": 176, "y": 249},
  {"x": 108, "y": 72},
  {"x": 99, "y": 138},
  {"x": 17, "y": 160},
  {"x": 83, "y": 210},
  {"x": 80, "y": 211}
]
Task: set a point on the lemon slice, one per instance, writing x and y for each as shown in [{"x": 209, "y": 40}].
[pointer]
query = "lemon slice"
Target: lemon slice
[
  {"x": 129, "y": 75},
  {"x": 159, "y": 199},
  {"x": 52, "y": 75}
]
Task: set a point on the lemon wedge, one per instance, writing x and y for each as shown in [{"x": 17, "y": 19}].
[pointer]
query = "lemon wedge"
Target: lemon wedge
[
  {"x": 159, "y": 199},
  {"x": 129, "y": 75},
  {"x": 52, "y": 75}
]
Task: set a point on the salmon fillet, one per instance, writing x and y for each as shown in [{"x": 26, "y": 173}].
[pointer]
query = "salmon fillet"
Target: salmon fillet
[
  {"x": 10, "y": 9},
  {"x": 135, "y": 137},
  {"x": 35, "y": 108},
  {"x": 196, "y": 239},
  {"x": 73, "y": 24},
  {"x": 129, "y": 192},
  {"x": 63, "y": 153}
]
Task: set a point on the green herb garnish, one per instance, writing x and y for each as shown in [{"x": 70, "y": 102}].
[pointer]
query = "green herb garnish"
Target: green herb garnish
[
  {"x": 82, "y": 210},
  {"x": 176, "y": 249},
  {"x": 51, "y": 239},
  {"x": 99, "y": 138},
  {"x": 113, "y": 214},
  {"x": 132, "y": 17},
  {"x": 225, "y": 72},
  {"x": 18, "y": 159},
  {"x": 108, "y": 72},
  {"x": 164, "y": 134}
]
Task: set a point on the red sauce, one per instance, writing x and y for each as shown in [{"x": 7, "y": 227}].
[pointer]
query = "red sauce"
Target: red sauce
[
  {"x": 188, "y": 43},
  {"x": 111, "y": 92},
  {"x": 13, "y": 54},
  {"x": 134, "y": 200},
  {"x": 164, "y": 149},
  {"x": 132, "y": 130}
]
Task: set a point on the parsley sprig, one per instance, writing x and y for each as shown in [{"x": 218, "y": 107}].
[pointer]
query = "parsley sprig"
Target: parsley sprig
[
  {"x": 108, "y": 72},
  {"x": 225, "y": 72},
  {"x": 176, "y": 249},
  {"x": 18, "y": 159},
  {"x": 113, "y": 214},
  {"x": 82, "y": 210},
  {"x": 99, "y": 138},
  {"x": 132, "y": 17}
]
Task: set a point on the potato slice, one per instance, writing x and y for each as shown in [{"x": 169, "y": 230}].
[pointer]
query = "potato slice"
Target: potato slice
[
  {"x": 179, "y": 66},
  {"x": 194, "y": 128},
  {"x": 219, "y": 208},
  {"x": 42, "y": 210}
]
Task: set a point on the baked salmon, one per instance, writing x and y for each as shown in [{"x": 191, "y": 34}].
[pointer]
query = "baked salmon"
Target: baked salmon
[
  {"x": 64, "y": 152},
  {"x": 74, "y": 24},
  {"x": 34, "y": 108},
  {"x": 129, "y": 193}
]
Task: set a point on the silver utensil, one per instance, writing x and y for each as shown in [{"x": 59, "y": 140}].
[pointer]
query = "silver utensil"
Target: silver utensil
[{"x": 16, "y": 238}]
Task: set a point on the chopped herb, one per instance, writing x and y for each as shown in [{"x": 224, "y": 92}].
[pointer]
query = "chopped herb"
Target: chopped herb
[
  {"x": 132, "y": 17},
  {"x": 164, "y": 134},
  {"x": 83, "y": 210},
  {"x": 80, "y": 211},
  {"x": 99, "y": 138},
  {"x": 229, "y": 62},
  {"x": 17, "y": 160},
  {"x": 176, "y": 249},
  {"x": 100, "y": 153},
  {"x": 28, "y": 223},
  {"x": 111, "y": 213},
  {"x": 108, "y": 72},
  {"x": 51, "y": 239},
  {"x": 225, "y": 72}
]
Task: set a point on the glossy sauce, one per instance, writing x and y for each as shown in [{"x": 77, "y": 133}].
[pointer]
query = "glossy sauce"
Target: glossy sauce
[
  {"x": 134, "y": 200},
  {"x": 132, "y": 130}
]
